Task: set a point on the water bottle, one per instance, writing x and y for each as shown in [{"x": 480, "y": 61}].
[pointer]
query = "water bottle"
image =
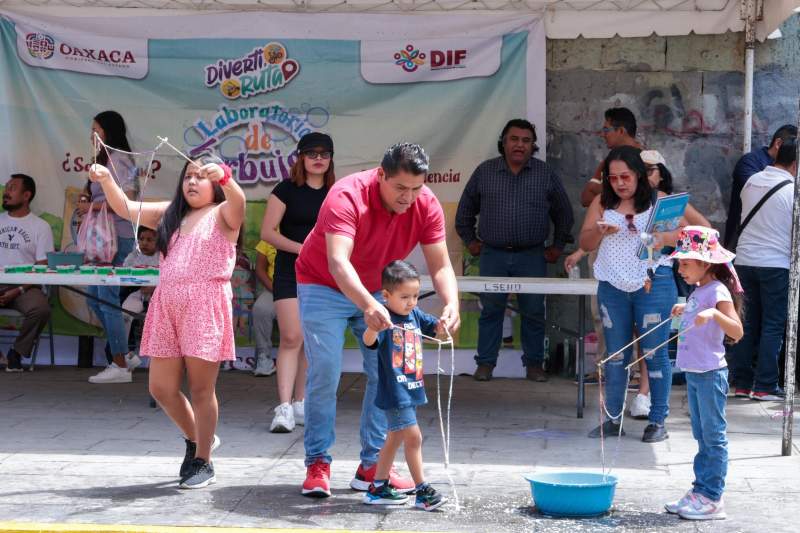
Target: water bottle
[{"x": 575, "y": 272}]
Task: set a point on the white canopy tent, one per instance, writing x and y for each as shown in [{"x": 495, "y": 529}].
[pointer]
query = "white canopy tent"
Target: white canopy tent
[{"x": 564, "y": 19}]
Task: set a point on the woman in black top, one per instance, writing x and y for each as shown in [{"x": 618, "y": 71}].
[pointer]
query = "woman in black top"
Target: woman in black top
[{"x": 291, "y": 213}]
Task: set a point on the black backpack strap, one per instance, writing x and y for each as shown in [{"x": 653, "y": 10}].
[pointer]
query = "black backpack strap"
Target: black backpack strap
[{"x": 761, "y": 202}]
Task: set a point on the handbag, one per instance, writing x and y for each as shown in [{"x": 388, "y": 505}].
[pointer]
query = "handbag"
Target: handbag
[{"x": 97, "y": 236}]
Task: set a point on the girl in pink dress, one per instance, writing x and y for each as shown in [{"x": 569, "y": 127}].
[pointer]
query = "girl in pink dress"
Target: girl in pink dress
[{"x": 189, "y": 324}]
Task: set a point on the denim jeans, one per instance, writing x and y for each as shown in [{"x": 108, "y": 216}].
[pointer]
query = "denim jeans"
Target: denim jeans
[
  {"x": 622, "y": 312},
  {"x": 324, "y": 315},
  {"x": 502, "y": 263},
  {"x": 706, "y": 393},
  {"x": 766, "y": 292},
  {"x": 111, "y": 318}
]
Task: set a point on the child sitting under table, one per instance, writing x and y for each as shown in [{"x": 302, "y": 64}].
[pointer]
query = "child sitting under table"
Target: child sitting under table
[{"x": 146, "y": 256}]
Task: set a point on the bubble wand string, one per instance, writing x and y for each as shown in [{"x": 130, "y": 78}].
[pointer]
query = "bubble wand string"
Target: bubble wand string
[
  {"x": 165, "y": 140},
  {"x": 115, "y": 176}
]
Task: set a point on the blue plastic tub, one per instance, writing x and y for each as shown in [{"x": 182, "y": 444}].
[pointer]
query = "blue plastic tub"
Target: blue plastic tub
[{"x": 572, "y": 493}]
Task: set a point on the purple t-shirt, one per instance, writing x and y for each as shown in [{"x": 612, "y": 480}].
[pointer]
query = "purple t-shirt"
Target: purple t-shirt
[{"x": 701, "y": 348}]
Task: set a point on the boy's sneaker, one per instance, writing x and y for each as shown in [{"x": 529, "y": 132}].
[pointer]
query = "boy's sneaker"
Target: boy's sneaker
[
  {"x": 702, "y": 508},
  {"x": 674, "y": 507},
  {"x": 365, "y": 476},
  {"x": 112, "y": 374},
  {"x": 318, "y": 480},
  {"x": 14, "y": 362},
  {"x": 284, "y": 419},
  {"x": 742, "y": 393},
  {"x": 384, "y": 495},
  {"x": 775, "y": 396},
  {"x": 265, "y": 365},
  {"x": 133, "y": 361},
  {"x": 191, "y": 450},
  {"x": 199, "y": 475},
  {"x": 299, "y": 411},
  {"x": 640, "y": 408},
  {"x": 429, "y": 499}
]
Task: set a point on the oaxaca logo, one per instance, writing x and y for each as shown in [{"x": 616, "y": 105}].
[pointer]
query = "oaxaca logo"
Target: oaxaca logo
[
  {"x": 40, "y": 45},
  {"x": 263, "y": 70},
  {"x": 411, "y": 58}
]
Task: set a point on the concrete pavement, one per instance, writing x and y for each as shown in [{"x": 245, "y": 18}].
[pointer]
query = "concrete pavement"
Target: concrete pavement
[{"x": 72, "y": 452}]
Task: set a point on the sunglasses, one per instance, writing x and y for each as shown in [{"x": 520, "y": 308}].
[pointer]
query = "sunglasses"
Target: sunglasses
[
  {"x": 311, "y": 154},
  {"x": 621, "y": 178},
  {"x": 631, "y": 225},
  {"x": 608, "y": 129}
]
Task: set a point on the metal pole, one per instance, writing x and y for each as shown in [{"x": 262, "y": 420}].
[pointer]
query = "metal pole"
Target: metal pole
[
  {"x": 750, "y": 11},
  {"x": 749, "y": 53},
  {"x": 791, "y": 322}
]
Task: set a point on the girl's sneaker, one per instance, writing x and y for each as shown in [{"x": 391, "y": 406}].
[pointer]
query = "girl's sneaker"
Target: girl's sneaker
[
  {"x": 429, "y": 499},
  {"x": 201, "y": 474},
  {"x": 674, "y": 507},
  {"x": 299, "y": 411},
  {"x": 384, "y": 495},
  {"x": 284, "y": 419},
  {"x": 702, "y": 508},
  {"x": 191, "y": 450}
]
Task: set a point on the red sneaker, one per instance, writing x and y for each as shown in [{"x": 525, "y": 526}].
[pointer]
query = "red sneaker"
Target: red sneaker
[
  {"x": 742, "y": 393},
  {"x": 318, "y": 480},
  {"x": 365, "y": 476}
]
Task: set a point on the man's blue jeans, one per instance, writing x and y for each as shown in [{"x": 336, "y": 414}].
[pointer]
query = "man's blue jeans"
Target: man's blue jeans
[
  {"x": 706, "y": 393},
  {"x": 503, "y": 263},
  {"x": 111, "y": 318},
  {"x": 621, "y": 312},
  {"x": 324, "y": 315},
  {"x": 766, "y": 293}
]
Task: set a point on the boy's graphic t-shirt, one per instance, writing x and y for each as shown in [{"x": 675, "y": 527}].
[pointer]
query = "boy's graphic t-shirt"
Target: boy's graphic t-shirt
[
  {"x": 400, "y": 375},
  {"x": 702, "y": 348}
]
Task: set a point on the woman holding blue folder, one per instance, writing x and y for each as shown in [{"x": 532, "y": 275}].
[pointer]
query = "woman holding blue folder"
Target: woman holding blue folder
[{"x": 633, "y": 293}]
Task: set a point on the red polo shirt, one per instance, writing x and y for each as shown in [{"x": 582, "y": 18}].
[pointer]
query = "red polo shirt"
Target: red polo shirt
[{"x": 353, "y": 208}]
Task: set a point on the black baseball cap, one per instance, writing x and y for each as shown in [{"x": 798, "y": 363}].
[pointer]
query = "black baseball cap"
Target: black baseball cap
[{"x": 315, "y": 139}]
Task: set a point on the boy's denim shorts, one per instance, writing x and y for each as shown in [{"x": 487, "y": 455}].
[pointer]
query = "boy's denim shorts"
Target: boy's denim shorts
[{"x": 401, "y": 418}]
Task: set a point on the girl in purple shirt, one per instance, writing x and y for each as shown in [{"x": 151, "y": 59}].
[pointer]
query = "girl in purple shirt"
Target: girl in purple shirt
[{"x": 712, "y": 313}]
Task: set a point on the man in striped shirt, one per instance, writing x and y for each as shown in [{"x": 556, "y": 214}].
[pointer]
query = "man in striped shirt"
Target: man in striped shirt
[{"x": 514, "y": 198}]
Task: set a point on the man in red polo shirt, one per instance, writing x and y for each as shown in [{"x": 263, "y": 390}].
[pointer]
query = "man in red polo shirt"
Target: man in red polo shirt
[{"x": 367, "y": 220}]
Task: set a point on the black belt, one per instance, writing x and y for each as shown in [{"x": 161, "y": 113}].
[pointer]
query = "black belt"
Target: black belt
[{"x": 515, "y": 249}]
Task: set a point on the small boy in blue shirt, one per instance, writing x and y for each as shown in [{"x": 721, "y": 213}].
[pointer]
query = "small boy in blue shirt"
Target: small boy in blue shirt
[{"x": 400, "y": 385}]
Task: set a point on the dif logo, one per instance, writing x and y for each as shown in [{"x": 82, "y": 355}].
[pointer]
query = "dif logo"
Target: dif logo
[{"x": 410, "y": 58}]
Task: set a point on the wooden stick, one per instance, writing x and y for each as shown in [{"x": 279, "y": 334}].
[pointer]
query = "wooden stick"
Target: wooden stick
[
  {"x": 660, "y": 345},
  {"x": 634, "y": 341}
]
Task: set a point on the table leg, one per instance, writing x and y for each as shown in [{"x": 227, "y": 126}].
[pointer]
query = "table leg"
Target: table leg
[{"x": 580, "y": 355}]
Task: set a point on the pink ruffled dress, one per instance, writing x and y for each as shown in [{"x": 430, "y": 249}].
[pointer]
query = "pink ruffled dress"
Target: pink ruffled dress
[{"x": 191, "y": 312}]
